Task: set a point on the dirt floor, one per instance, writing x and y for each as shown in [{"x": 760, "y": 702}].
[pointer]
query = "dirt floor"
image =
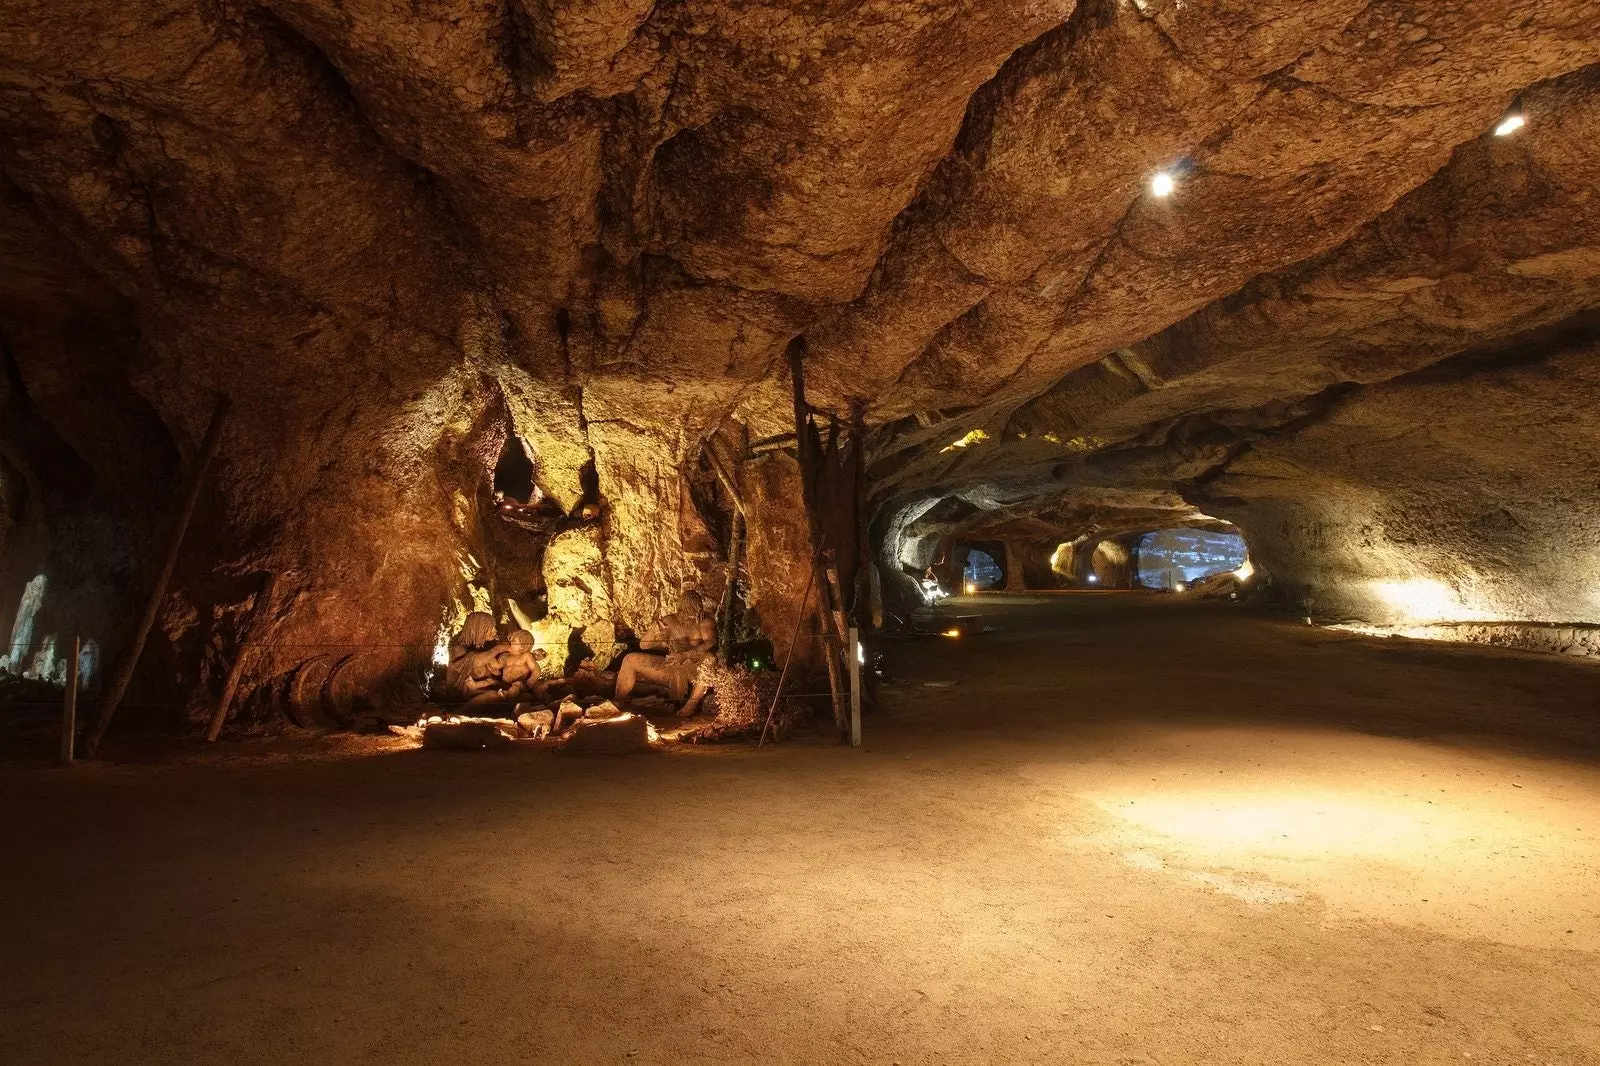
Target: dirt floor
[{"x": 1132, "y": 831}]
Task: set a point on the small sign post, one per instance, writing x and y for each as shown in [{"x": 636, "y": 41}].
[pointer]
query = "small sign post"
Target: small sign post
[
  {"x": 856, "y": 655},
  {"x": 69, "y": 706}
]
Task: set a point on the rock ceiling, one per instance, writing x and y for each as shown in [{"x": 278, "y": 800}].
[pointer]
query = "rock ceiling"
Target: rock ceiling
[{"x": 357, "y": 218}]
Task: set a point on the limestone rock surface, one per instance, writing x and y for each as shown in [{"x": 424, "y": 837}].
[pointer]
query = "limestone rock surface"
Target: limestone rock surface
[{"x": 396, "y": 237}]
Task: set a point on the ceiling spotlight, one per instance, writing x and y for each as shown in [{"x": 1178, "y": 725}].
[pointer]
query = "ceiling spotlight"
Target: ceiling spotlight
[
  {"x": 1513, "y": 120},
  {"x": 1510, "y": 124},
  {"x": 1162, "y": 184}
]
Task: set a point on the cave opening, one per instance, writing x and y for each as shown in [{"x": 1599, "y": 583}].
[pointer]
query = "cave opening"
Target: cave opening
[
  {"x": 982, "y": 572},
  {"x": 513, "y": 472},
  {"x": 1172, "y": 560}
]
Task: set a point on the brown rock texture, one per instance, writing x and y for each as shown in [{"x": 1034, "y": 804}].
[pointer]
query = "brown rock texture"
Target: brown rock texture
[{"x": 393, "y": 236}]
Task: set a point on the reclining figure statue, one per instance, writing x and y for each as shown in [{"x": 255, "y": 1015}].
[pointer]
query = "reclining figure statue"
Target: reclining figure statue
[{"x": 689, "y": 637}]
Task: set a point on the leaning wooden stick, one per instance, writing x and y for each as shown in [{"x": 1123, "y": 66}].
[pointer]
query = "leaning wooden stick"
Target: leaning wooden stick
[
  {"x": 69, "y": 705},
  {"x": 810, "y": 475},
  {"x": 794, "y": 639},
  {"x": 130, "y": 658},
  {"x": 255, "y": 626}
]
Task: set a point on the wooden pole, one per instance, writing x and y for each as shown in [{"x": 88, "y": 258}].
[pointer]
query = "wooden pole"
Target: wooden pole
[
  {"x": 130, "y": 658},
  {"x": 69, "y": 706},
  {"x": 832, "y": 637},
  {"x": 730, "y": 594},
  {"x": 854, "y": 652},
  {"x": 861, "y": 595},
  {"x": 736, "y": 535},
  {"x": 255, "y": 626},
  {"x": 794, "y": 638}
]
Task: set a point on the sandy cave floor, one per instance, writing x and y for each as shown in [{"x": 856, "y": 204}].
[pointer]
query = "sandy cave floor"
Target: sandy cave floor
[{"x": 1133, "y": 832}]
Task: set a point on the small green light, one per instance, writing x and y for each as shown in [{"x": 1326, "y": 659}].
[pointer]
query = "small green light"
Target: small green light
[{"x": 755, "y": 664}]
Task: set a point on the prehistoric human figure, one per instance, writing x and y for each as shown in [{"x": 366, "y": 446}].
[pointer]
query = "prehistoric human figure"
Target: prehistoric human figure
[
  {"x": 688, "y": 637},
  {"x": 474, "y": 654},
  {"x": 514, "y": 672}
]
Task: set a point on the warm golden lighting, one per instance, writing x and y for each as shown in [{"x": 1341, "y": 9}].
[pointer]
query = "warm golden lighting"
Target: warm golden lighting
[
  {"x": 971, "y": 588},
  {"x": 1423, "y": 599},
  {"x": 1363, "y": 828},
  {"x": 977, "y": 436},
  {"x": 952, "y": 632},
  {"x": 1509, "y": 125},
  {"x": 1245, "y": 572}
]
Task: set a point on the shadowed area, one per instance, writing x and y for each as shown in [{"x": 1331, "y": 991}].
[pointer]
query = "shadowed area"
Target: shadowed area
[{"x": 1124, "y": 810}]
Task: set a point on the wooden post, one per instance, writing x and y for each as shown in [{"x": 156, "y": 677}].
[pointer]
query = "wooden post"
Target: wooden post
[
  {"x": 832, "y": 636},
  {"x": 69, "y": 705},
  {"x": 794, "y": 639},
  {"x": 130, "y": 658},
  {"x": 854, "y": 652},
  {"x": 736, "y": 535},
  {"x": 730, "y": 595},
  {"x": 254, "y": 628},
  {"x": 861, "y": 595}
]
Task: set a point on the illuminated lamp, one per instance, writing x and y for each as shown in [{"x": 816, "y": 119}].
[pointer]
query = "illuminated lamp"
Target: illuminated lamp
[
  {"x": 1162, "y": 184},
  {"x": 1513, "y": 121}
]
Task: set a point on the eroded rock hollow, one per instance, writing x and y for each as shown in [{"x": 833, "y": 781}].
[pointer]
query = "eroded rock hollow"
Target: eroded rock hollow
[{"x": 500, "y": 296}]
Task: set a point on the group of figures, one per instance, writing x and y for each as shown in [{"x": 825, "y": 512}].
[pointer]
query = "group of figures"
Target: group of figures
[{"x": 485, "y": 669}]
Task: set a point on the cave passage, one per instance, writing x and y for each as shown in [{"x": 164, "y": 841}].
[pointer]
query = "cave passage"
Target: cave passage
[
  {"x": 1082, "y": 515},
  {"x": 981, "y": 571},
  {"x": 1175, "y": 558}
]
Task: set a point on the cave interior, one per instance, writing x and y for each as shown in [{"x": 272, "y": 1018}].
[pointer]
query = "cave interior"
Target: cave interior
[
  {"x": 510, "y": 326},
  {"x": 1173, "y": 426}
]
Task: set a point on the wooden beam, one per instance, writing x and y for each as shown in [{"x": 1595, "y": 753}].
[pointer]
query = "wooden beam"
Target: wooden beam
[
  {"x": 130, "y": 658},
  {"x": 810, "y": 464},
  {"x": 69, "y": 706},
  {"x": 254, "y": 629}
]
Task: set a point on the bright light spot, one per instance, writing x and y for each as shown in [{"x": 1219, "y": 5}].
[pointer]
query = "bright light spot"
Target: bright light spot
[
  {"x": 46, "y": 667},
  {"x": 1509, "y": 125},
  {"x": 755, "y": 664},
  {"x": 977, "y": 436},
  {"x": 861, "y": 654},
  {"x": 22, "y": 628},
  {"x": 1245, "y": 572},
  {"x": 1422, "y": 599},
  {"x": 88, "y": 664},
  {"x": 1162, "y": 184},
  {"x": 971, "y": 588},
  {"x": 1094, "y": 579},
  {"x": 952, "y": 632},
  {"x": 1179, "y": 586}
]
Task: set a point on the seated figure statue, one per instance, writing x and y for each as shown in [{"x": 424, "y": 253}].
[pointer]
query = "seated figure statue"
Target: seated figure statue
[
  {"x": 474, "y": 657},
  {"x": 514, "y": 673},
  {"x": 688, "y": 637}
]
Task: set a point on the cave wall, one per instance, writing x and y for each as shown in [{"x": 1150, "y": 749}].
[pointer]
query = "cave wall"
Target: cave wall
[
  {"x": 1486, "y": 510},
  {"x": 391, "y": 236}
]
